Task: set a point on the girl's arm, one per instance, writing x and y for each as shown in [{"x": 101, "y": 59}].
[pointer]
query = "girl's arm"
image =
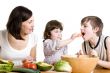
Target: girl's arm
[
  {"x": 106, "y": 64},
  {"x": 67, "y": 41}
]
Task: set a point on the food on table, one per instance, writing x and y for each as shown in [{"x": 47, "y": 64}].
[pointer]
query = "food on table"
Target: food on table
[
  {"x": 25, "y": 70},
  {"x": 30, "y": 65},
  {"x": 44, "y": 66},
  {"x": 6, "y": 66},
  {"x": 62, "y": 66}
]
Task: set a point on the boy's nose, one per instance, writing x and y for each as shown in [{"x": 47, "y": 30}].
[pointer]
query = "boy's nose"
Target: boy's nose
[{"x": 82, "y": 27}]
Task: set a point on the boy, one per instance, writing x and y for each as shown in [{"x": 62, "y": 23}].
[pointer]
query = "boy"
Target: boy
[{"x": 94, "y": 42}]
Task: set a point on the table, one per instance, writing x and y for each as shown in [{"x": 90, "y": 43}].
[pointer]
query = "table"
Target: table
[
  {"x": 101, "y": 70},
  {"x": 97, "y": 70}
]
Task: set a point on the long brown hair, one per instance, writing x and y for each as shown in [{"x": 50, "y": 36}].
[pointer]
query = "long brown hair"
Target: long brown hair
[
  {"x": 18, "y": 15},
  {"x": 51, "y": 25}
]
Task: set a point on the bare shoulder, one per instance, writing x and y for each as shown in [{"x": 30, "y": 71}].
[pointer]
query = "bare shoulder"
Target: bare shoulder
[
  {"x": 108, "y": 40},
  {"x": 108, "y": 43}
]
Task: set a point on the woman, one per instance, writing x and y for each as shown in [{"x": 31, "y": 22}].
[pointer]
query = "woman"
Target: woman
[{"x": 18, "y": 43}]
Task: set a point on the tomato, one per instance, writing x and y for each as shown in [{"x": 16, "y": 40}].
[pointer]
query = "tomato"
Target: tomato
[
  {"x": 29, "y": 65},
  {"x": 33, "y": 66}
]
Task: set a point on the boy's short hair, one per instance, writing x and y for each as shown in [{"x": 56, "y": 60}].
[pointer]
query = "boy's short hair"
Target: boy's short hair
[{"x": 95, "y": 22}]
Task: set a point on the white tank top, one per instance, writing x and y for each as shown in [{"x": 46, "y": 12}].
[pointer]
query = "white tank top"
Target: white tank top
[{"x": 100, "y": 48}]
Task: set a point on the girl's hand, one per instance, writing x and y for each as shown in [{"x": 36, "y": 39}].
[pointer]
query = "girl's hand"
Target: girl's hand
[{"x": 75, "y": 35}]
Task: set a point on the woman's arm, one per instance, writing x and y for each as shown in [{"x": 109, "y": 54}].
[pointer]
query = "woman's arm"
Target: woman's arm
[
  {"x": 32, "y": 56},
  {"x": 33, "y": 52},
  {"x": 106, "y": 64}
]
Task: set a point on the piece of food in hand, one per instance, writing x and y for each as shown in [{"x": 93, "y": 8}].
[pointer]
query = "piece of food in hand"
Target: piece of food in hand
[
  {"x": 62, "y": 66},
  {"x": 30, "y": 65},
  {"x": 44, "y": 66}
]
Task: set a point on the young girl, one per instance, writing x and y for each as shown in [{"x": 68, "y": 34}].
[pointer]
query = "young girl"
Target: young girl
[
  {"x": 94, "y": 42},
  {"x": 54, "y": 46}
]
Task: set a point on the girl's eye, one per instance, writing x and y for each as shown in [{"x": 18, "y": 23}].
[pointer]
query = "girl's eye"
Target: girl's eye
[
  {"x": 85, "y": 26},
  {"x": 56, "y": 31}
]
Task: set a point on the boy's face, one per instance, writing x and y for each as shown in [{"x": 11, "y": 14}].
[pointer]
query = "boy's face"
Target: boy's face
[
  {"x": 87, "y": 31},
  {"x": 56, "y": 34}
]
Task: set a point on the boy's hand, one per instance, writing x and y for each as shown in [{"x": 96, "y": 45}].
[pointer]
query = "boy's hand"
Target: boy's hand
[
  {"x": 79, "y": 53},
  {"x": 93, "y": 53}
]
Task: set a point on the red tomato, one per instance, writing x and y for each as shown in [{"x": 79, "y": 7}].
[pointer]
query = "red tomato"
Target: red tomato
[
  {"x": 29, "y": 65},
  {"x": 33, "y": 66}
]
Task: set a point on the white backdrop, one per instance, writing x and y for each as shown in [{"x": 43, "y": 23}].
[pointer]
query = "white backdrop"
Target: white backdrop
[{"x": 69, "y": 12}]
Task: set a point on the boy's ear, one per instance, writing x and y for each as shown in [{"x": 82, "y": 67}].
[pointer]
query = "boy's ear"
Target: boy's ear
[{"x": 96, "y": 29}]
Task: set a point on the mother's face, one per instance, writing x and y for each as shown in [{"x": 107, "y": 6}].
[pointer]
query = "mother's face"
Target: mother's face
[{"x": 27, "y": 26}]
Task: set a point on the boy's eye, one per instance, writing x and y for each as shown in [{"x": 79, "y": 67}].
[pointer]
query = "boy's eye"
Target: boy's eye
[{"x": 30, "y": 21}]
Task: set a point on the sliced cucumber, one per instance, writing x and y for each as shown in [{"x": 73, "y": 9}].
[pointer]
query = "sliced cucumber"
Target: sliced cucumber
[{"x": 25, "y": 70}]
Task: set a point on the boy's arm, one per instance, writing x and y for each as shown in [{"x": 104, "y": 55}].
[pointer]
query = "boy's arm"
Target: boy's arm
[{"x": 106, "y": 64}]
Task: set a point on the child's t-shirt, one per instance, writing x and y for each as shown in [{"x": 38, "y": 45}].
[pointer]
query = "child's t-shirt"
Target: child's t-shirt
[{"x": 51, "y": 51}]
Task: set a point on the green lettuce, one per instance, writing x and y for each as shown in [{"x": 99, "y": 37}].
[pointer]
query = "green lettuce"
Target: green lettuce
[{"x": 62, "y": 66}]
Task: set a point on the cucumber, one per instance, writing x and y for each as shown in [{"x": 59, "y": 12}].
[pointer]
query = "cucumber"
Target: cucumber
[{"x": 25, "y": 70}]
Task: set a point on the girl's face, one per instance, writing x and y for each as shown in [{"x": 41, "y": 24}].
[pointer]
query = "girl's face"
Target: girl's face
[
  {"x": 56, "y": 34},
  {"x": 27, "y": 26},
  {"x": 87, "y": 31}
]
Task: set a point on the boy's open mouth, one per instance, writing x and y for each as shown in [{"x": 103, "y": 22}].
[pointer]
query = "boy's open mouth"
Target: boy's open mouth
[{"x": 82, "y": 33}]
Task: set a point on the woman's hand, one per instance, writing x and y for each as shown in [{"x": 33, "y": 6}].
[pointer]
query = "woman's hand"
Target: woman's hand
[{"x": 28, "y": 59}]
